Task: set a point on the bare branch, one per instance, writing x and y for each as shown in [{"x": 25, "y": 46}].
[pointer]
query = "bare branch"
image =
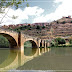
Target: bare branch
[{"x": 4, "y": 15}]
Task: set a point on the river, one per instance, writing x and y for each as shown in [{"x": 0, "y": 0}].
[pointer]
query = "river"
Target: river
[{"x": 55, "y": 59}]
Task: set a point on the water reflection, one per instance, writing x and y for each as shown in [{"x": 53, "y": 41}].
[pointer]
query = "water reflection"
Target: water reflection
[
  {"x": 7, "y": 56},
  {"x": 55, "y": 59},
  {"x": 49, "y": 49},
  {"x": 29, "y": 51},
  {"x": 61, "y": 51},
  {"x": 4, "y": 52}
]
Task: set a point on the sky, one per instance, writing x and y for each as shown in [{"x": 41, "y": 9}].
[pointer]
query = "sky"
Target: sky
[{"x": 38, "y": 11}]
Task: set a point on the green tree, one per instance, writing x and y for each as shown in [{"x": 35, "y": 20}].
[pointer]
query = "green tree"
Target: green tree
[
  {"x": 9, "y": 4},
  {"x": 57, "y": 22},
  {"x": 71, "y": 21},
  {"x": 60, "y": 41},
  {"x": 52, "y": 43},
  {"x": 43, "y": 27},
  {"x": 3, "y": 42},
  {"x": 38, "y": 27},
  {"x": 70, "y": 41},
  {"x": 63, "y": 22}
]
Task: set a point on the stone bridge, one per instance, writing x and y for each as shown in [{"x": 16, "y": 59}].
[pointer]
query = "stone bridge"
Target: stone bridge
[{"x": 16, "y": 41}]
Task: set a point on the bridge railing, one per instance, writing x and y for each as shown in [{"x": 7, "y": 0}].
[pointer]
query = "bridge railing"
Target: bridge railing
[
  {"x": 27, "y": 36},
  {"x": 7, "y": 30}
]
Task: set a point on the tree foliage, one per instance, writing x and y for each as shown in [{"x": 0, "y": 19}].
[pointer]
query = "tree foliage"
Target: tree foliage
[
  {"x": 57, "y": 42},
  {"x": 7, "y": 3},
  {"x": 71, "y": 21},
  {"x": 60, "y": 41},
  {"x": 70, "y": 41},
  {"x": 57, "y": 22},
  {"x": 38, "y": 27},
  {"x": 63, "y": 22},
  {"x": 3, "y": 42},
  {"x": 43, "y": 27}
]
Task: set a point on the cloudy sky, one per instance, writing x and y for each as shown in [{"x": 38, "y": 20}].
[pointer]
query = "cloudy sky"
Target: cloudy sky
[{"x": 38, "y": 11}]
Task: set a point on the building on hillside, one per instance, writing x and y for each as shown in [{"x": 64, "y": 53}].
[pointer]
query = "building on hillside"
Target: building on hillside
[
  {"x": 11, "y": 26},
  {"x": 5, "y": 26},
  {"x": 25, "y": 24},
  {"x": 40, "y": 24},
  {"x": 66, "y": 17},
  {"x": 18, "y": 25}
]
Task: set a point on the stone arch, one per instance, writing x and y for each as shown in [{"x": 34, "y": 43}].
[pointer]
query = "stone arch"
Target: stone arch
[
  {"x": 12, "y": 41},
  {"x": 34, "y": 47},
  {"x": 12, "y": 52}
]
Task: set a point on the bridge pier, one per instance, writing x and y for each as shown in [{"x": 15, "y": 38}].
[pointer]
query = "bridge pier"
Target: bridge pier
[
  {"x": 39, "y": 53},
  {"x": 20, "y": 55},
  {"x": 48, "y": 45},
  {"x": 42, "y": 46},
  {"x": 21, "y": 49},
  {"x": 45, "y": 46}
]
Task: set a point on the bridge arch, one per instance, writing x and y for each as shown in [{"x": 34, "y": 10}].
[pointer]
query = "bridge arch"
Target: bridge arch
[
  {"x": 11, "y": 37},
  {"x": 12, "y": 41},
  {"x": 32, "y": 49}
]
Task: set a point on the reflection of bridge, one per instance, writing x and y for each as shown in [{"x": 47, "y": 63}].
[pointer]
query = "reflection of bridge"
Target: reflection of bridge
[{"x": 17, "y": 41}]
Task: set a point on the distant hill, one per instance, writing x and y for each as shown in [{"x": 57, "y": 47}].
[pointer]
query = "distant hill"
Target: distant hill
[{"x": 60, "y": 27}]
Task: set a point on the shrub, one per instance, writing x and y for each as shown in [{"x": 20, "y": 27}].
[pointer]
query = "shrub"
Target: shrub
[
  {"x": 57, "y": 42},
  {"x": 63, "y": 22},
  {"x": 52, "y": 43},
  {"x": 43, "y": 27},
  {"x": 60, "y": 41},
  {"x": 71, "y": 21},
  {"x": 57, "y": 22},
  {"x": 70, "y": 41},
  {"x": 29, "y": 28},
  {"x": 38, "y": 27}
]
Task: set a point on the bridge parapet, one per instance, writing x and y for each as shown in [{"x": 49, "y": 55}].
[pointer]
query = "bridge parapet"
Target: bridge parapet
[
  {"x": 7, "y": 30},
  {"x": 27, "y": 36}
]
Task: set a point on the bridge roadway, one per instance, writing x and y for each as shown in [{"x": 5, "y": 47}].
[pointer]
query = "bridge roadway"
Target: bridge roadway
[{"x": 17, "y": 41}]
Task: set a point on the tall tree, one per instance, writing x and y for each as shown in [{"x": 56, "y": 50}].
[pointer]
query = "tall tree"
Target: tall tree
[{"x": 8, "y": 4}]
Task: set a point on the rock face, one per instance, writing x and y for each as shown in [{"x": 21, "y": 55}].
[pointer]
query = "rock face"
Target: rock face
[{"x": 62, "y": 29}]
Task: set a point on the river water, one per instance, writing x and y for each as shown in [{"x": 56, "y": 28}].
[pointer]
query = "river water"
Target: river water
[
  {"x": 4, "y": 52},
  {"x": 55, "y": 59}
]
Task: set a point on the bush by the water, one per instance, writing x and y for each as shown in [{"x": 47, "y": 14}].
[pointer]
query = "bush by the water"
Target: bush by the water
[
  {"x": 58, "y": 42},
  {"x": 70, "y": 41}
]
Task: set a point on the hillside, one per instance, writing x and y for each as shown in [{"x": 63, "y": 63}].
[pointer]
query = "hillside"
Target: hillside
[{"x": 61, "y": 27}]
